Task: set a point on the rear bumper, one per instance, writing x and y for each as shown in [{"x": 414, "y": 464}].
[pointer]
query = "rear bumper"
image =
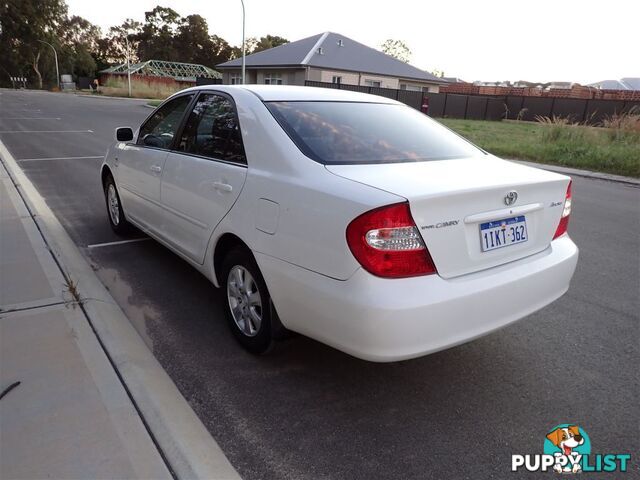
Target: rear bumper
[{"x": 387, "y": 320}]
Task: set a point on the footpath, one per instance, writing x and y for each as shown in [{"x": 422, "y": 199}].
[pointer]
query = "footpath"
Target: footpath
[{"x": 80, "y": 394}]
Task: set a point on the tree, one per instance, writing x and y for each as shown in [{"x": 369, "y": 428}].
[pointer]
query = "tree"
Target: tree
[
  {"x": 22, "y": 24},
  {"x": 221, "y": 51},
  {"x": 79, "y": 40},
  {"x": 192, "y": 42},
  {"x": 156, "y": 38},
  {"x": 253, "y": 45},
  {"x": 270, "y": 41},
  {"x": 113, "y": 48},
  {"x": 78, "y": 31},
  {"x": 249, "y": 46},
  {"x": 25, "y": 23},
  {"x": 76, "y": 60},
  {"x": 397, "y": 49},
  {"x": 82, "y": 49}
]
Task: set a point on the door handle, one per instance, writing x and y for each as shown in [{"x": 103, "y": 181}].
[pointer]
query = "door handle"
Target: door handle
[
  {"x": 222, "y": 187},
  {"x": 155, "y": 168}
]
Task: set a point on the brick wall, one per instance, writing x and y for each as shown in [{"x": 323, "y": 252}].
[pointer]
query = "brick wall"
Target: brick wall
[
  {"x": 148, "y": 80},
  {"x": 577, "y": 91}
]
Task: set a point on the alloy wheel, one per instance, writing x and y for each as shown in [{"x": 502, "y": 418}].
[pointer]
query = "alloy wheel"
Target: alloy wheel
[
  {"x": 245, "y": 301},
  {"x": 113, "y": 204}
]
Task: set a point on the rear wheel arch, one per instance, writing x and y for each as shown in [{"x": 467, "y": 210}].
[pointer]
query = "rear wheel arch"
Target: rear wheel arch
[{"x": 225, "y": 244}]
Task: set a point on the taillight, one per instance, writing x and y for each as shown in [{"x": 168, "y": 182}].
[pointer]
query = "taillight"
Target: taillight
[
  {"x": 564, "y": 220},
  {"x": 387, "y": 243}
]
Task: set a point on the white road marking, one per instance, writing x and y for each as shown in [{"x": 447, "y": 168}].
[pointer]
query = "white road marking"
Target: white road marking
[
  {"x": 56, "y": 158},
  {"x": 46, "y": 131},
  {"x": 29, "y": 118},
  {"x": 121, "y": 242}
]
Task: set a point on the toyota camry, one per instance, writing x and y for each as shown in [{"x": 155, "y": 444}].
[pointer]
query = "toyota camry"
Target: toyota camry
[{"x": 350, "y": 218}]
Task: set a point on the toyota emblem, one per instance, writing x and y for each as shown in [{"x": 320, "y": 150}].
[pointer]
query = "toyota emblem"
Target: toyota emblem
[{"x": 511, "y": 197}]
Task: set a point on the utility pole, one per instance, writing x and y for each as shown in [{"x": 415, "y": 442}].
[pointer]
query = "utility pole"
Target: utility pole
[
  {"x": 55, "y": 54},
  {"x": 243, "y": 43},
  {"x": 126, "y": 37}
]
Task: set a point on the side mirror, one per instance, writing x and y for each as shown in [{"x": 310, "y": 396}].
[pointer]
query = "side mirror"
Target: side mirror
[{"x": 124, "y": 134}]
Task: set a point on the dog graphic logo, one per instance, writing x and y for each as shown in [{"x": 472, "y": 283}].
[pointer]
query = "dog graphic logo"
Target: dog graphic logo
[
  {"x": 568, "y": 441},
  {"x": 567, "y": 450}
]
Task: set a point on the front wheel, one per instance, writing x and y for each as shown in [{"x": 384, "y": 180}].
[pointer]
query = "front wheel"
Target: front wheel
[
  {"x": 115, "y": 213},
  {"x": 248, "y": 305}
]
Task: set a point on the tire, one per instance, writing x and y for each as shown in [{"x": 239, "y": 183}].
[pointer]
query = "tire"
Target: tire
[
  {"x": 248, "y": 303},
  {"x": 115, "y": 214}
]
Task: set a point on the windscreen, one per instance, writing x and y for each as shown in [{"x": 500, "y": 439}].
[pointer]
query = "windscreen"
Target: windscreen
[{"x": 352, "y": 133}]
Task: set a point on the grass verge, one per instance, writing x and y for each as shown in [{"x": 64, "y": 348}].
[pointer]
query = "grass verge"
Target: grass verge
[
  {"x": 611, "y": 150},
  {"x": 118, "y": 87}
]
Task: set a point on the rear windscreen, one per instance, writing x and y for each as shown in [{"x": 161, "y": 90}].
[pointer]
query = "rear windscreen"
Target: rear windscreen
[{"x": 352, "y": 133}]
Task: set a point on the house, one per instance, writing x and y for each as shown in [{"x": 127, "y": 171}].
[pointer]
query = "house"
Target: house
[
  {"x": 329, "y": 57},
  {"x": 560, "y": 85},
  {"x": 629, "y": 83},
  {"x": 453, "y": 80}
]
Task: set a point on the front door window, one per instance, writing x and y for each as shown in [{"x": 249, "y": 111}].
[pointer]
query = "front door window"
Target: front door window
[{"x": 160, "y": 129}]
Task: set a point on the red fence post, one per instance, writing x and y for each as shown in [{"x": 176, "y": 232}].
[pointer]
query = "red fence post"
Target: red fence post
[{"x": 425, "y": 105}]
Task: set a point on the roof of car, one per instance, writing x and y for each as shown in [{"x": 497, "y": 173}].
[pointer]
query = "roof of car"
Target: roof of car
[{"x": 274, "y": 93}]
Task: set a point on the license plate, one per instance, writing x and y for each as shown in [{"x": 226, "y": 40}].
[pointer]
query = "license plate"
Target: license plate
[{"x": 503, "y": 233}]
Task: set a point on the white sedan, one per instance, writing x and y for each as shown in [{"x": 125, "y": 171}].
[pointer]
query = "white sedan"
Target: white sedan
[{"x": 350, "y": 218}]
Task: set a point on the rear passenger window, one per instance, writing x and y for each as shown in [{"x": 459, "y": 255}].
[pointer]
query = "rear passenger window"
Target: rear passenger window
[
  {"x": 160, "y": 129},
  {"x": 212, "y": 130}
]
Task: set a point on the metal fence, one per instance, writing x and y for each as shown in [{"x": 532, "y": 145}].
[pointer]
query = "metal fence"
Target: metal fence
[
  {"x": 411, "y": 98},
  {"x": 208, "y": 81},
  {"x": 490, "y": 107}
]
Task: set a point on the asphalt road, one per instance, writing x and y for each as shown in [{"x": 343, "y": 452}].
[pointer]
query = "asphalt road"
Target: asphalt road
[{"x": 309, "y": 411}]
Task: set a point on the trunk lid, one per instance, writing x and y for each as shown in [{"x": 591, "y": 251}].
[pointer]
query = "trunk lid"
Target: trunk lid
[{"x": 451, "y": 199}]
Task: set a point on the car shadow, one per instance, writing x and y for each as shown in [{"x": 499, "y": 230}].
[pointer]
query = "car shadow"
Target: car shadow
[{"x": 307, "y": 407}]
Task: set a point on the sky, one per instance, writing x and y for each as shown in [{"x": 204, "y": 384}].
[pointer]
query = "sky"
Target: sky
[{"x": 491, "y": 40}]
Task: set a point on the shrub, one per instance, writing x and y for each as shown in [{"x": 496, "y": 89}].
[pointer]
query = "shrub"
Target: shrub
[
  {"x": 558, "y": 128},
  {"x": 623, "y": 126}
]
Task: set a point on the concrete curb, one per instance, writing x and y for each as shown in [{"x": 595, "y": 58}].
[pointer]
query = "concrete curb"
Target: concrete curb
[
  {"x": 582, "y": 173},
  {"x": 83, "y": 95},
  {"x": 188, "y": 447},
  {"x": 111, "y": 97}
]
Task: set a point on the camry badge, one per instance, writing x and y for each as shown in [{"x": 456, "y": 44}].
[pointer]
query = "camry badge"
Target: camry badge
[{"x": 511, "y": 197}]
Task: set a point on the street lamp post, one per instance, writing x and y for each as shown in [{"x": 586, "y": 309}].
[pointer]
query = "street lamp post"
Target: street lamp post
[
  {"x": 128, "y": 65},
  {"x": 243, "y": 43},
  {"x": 55, "y": 54}
]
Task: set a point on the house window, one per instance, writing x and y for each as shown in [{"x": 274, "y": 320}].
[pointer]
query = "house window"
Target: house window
[
  {"x": 372, "y": 83},
  {"x": 273, "y": 79},
  {"x": 235, "y": 79},
  {"x": 336, "y": 79},
  {"x": 409, "y": 87}
]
